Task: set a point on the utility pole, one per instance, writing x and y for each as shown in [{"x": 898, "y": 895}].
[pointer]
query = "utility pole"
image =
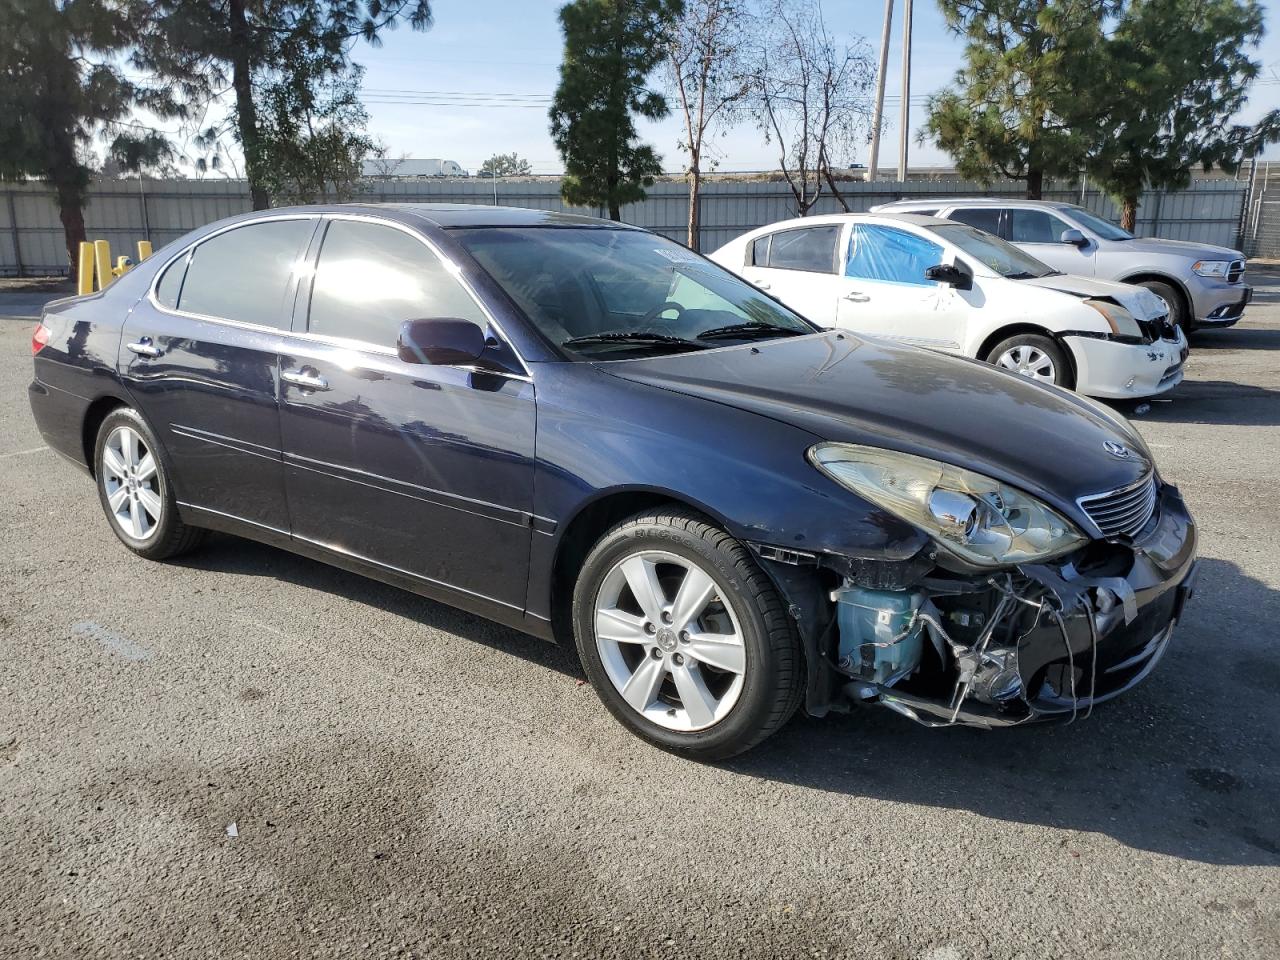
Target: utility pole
[
  {"x": 877, "y": 117},
  {"x": 905, "y": 133}
]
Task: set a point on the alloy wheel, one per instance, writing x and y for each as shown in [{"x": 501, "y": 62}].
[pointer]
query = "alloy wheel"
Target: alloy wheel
[
  {"x": 1029, "y": 361},
  {"x": 130, "y": 477},
  {"x": 670, "y": 641}
]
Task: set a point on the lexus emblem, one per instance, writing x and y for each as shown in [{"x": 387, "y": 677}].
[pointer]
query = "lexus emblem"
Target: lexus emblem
[{"x": 1117, "y": 450}]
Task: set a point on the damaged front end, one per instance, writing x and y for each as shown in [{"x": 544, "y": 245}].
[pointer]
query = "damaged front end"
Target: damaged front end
[{"x": 991, "y": 648}]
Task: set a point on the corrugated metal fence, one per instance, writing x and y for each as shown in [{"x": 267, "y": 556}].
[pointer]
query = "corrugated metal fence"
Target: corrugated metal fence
[{"x": 125, "y": 211}]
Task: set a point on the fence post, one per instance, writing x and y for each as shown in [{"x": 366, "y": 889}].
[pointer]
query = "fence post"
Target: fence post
[{"x": 13, "y": 230}]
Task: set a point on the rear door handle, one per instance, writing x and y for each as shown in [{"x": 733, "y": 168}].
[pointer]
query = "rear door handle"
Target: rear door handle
[
  {"x": 856, "y": 297},
  {"x": 143, "y": 347},
  {"x": 307, "y": 381},
  {"x": 764, "y": 286}
]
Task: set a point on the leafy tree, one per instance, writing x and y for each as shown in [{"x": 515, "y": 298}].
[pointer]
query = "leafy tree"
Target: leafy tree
[
  {"x": 610, "y": 48},
  {"x": 707, "y": 73},
  {"x": 254, "y": 46},
  {"x": 1177, "y": 73},
  {"x": 1018, "y": 110},
  {"x": 312, "y": 135},
  {"x": 60, "y": 85},
  {"x": 809, "y": 90},
  {"x": 505, "y": 165}
]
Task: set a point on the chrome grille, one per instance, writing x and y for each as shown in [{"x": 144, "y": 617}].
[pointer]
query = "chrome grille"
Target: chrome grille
[
  {"x": 1122, "y": 512},
  {"x": 1235, "y": 271}
]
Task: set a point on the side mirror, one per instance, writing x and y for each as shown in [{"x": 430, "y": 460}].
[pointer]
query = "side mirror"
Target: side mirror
[
  {"x": 440, "y": 340},
  {"x": 951, "y": 274},
  {"x": 1074, "y": 237}
]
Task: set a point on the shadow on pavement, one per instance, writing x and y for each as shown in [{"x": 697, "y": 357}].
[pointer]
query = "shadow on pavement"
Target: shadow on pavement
[
  {"x": 1187, "y": 765},
  {"x": 1209, "y": 401}
]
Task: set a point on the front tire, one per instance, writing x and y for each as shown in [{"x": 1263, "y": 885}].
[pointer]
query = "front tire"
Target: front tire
[
  {"x": 1034, "y": 356},
  {"x": 1177, "y": 312},
  {"x": 684, "y": 638},
  {"x": 135, "y": 490}
]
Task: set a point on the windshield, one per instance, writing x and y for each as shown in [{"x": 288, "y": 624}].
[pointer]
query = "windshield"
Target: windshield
[
  {"x": 1103, "y": 228},
  {"x": 1002, "y": 257},
  {"x": 604, "y": 294}
]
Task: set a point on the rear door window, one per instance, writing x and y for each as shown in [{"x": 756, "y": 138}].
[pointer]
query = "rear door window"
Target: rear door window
[
  {"x": 1034, "y": 226},
  {"x": 890, "y": 255},
  {"x": 371, "y": 277},
  {"x": 984, "y": 218},
  {"x": 812, "y": 249},
  {"x": 244, "y": 274}
]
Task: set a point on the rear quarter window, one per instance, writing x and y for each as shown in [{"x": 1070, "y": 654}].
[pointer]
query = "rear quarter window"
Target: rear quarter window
[
  {"x": 244, "y": 274},
  {"x": 170, "y": 285}
]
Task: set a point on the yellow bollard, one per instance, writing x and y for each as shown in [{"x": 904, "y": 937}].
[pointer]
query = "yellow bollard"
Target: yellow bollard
[
  {"x": 144, "y": 250},
  {"x": 84, "y": 273},
  {"x": 102, "y": 254}
]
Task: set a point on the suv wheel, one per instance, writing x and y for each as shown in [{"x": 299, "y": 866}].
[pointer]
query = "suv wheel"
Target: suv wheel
[{"x": 684, "y": 638}]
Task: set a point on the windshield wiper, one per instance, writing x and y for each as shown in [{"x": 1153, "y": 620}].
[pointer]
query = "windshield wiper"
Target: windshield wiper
[
  {"x": 635, "y": 336},
  {"x": 734, "y": 330}
]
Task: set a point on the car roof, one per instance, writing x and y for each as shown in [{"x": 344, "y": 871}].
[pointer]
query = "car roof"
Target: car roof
[
  {"x": 446, "y": 215},
  {"x": 939, "y": 202},
  {"x": 826, "y": 219}
]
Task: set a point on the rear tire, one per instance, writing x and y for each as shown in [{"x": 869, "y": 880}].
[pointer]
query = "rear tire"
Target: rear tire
[
  {"x": 135, "y": 490},
  {"x": 1177, "y": 312},
  {"x": 707, "y": 671},
  {"x": 1034, "y": 356}
]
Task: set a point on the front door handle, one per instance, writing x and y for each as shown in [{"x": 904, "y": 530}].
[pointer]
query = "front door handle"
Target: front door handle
[
  {"x": 307, "y": 381},
  {"x": 764, "y": 286},
  {"x": 143, "y": 347},
  {"x": 856, "y": 297}
]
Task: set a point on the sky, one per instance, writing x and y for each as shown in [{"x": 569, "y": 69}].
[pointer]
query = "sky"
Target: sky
[{"x": 480, "y": 80}]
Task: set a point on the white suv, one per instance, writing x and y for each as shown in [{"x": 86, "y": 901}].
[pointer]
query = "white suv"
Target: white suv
[
  {"x": 950, "y": 287},
  {"x": 1203, "y": 284}
]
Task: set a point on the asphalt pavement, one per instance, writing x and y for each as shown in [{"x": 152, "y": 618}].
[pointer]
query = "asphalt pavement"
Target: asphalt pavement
[{"x": 249, "y": 754}]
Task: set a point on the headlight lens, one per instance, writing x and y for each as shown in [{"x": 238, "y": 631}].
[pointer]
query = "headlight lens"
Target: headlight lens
[
  {"x": 980, "y": 520},
  {"x": 1121, "y": 321},
  {"x": 1211, "y": 268}
]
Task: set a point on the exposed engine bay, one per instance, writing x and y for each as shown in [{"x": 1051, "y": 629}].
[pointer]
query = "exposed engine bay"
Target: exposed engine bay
[{"x": 990, "y": 649}]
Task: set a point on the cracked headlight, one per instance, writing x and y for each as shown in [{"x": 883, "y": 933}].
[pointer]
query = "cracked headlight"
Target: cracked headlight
[{"x": 980, "y": 520}]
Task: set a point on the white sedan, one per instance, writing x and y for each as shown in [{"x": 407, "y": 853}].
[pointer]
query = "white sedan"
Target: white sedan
[{"x": 945, "y": 285}]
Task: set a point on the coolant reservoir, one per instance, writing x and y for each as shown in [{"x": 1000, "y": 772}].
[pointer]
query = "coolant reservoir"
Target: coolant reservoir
[{"x": 880, "y": 640}]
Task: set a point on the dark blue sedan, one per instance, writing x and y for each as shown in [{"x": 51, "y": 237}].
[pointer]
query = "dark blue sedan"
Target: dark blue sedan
[{"x": 589, "y": 433}]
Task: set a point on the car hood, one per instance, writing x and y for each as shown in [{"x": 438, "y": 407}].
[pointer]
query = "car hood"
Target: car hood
[
  {"x": 1178, "y": 248},
  {"x": 1139, "y": 301},
  {"x": 841, "y": 387}
]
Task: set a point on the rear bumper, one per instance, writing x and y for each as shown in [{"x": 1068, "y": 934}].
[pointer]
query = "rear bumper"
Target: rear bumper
[
  {"x": 1094, "y": 654},
  {"x": 1113, "y": 370}
]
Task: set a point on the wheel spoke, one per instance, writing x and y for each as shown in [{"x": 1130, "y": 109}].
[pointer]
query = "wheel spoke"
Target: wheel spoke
[
  {"x": 621, "y": 627},
  {"x": 696, "y": 699},
  {"x": 137, "y": 523},
  {"x": 692, "y": 598},
  {"x": 642, "y": 578},
  {"x": 146, "y": 467},
  {"x": 118, "y": 499},
  {"x": 721, "y": 650},
  {"x": 129, "y": 447},
  {"x": 642, "y": 689},
  {"x": 150, "y": 501},
  {"x": 113, "y": 462},
  {"x": 1024, "y": 354}
]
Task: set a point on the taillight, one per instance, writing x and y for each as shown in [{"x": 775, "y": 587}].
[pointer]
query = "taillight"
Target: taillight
[{"x": 39, "y": 338}]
